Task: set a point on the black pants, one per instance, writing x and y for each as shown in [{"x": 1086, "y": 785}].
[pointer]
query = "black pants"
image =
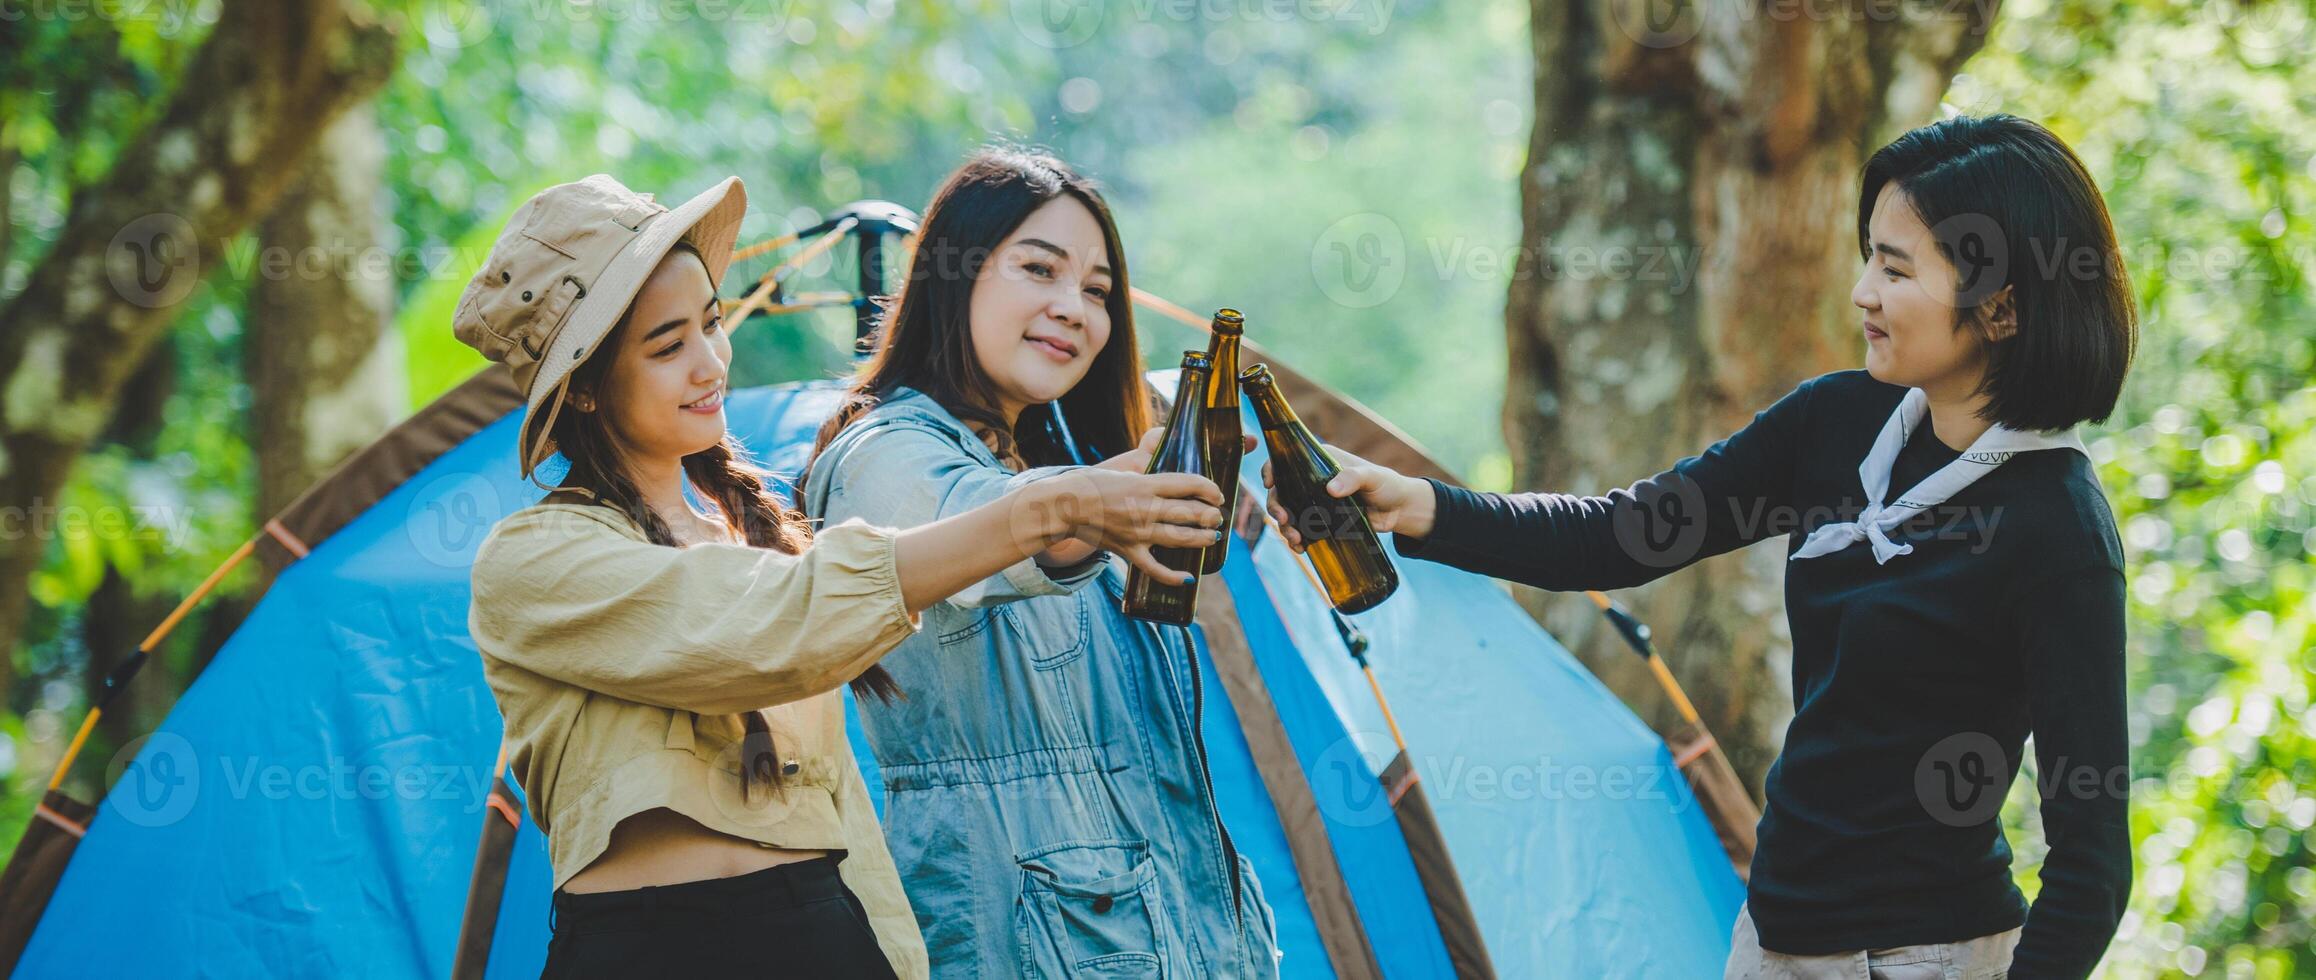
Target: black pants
[{"x": 794, "y": 920}]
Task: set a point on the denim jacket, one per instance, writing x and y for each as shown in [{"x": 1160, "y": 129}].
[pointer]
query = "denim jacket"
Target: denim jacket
[{"x": 1047, "y": 799}]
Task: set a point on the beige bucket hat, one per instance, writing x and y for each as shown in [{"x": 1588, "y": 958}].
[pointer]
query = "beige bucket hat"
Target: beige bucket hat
[{"x": 564, "y": 270}]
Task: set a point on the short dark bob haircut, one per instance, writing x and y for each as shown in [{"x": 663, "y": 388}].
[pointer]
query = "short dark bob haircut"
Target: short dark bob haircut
[{"x": 2009, "y": 204}]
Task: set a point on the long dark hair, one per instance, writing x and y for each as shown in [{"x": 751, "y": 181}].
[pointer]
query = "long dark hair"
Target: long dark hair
[
  {"x": 926, "y": 339},
  {"x": 724, "y": 473}
]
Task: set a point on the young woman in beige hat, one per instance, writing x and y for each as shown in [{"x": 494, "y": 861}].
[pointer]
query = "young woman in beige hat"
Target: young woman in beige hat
[{"x": 631, "y": 639}]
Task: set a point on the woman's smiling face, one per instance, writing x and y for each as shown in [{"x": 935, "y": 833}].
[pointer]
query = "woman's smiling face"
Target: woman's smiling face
[
  {"x": 1039, "y": 313},
  {"x": 1915, "y": 334},
  {"x": 665, "y": 387}
]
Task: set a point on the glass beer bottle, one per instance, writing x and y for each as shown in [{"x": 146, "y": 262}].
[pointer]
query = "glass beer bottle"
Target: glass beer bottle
[
  {"x": 1225, "y": 442},
  {"x": 1183, "y": 450},
  {"x": 1350, "y": 560}
]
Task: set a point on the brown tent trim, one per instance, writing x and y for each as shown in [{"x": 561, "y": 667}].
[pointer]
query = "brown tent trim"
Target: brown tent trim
[
  {"x": 365, "y": 478},
  {"x": 1728, "y": 805},
  {"x": 487, "y": 886},
  {"x": 34, "y": 869},
  {"x": 1459, "y": 929},
  {"x": 1341, "y": 934}
]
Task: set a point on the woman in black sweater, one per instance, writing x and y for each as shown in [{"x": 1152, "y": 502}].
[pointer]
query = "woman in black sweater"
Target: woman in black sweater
[{"x": 1954, "y": 583}]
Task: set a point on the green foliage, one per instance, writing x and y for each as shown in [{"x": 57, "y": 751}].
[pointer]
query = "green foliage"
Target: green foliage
[
  {"x": 2200, "y": 121},
  {"x": 1242, "y": 154},
  {"x": 1405, "y": 148},
  {"x": 75, "y": 88}
]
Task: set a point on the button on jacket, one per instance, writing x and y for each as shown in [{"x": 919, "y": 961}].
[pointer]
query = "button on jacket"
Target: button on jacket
[
  {"x": 1045, "y": 792},
  {"x": 622, "y": 667}
]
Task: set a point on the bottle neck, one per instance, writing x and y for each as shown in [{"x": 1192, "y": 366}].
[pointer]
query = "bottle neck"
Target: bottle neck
[
  {"x": 1271, "y": 407},
  {"x": 1190, "y": 392},
  {"x": 1223, "y": 386},
  {"x": 1292, "y": 443}
]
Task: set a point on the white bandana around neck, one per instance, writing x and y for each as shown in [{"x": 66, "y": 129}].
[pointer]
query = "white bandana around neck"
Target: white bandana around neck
[{"x": 1997, "y": 444}]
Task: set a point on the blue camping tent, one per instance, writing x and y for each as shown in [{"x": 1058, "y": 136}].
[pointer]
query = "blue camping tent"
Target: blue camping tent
[{"x": 311, "y": 806}]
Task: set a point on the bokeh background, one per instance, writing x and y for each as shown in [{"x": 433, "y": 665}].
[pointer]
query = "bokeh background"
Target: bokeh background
[{"x": 1561, "y": 245}]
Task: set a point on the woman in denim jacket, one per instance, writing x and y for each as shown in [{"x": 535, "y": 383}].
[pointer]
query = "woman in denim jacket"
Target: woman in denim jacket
[
  {"x": 669, "y": 676},
  {"x": 1048, "y": 801}
]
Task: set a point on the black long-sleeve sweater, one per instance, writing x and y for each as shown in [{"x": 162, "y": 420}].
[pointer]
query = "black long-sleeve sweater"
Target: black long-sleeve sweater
[{"x": 1915, "y": 682}]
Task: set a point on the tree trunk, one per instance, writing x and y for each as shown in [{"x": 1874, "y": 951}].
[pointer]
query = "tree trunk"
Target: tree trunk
[
  {"x": 257, "y": 96},
  {"x": 324, "y": 364},
  {"x": 1688, "y": 215}
]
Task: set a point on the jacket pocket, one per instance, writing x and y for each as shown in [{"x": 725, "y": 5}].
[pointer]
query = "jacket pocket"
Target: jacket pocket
[
  {"x": 1090, "y": 909},
  {"x": 1051, "y": 629}
]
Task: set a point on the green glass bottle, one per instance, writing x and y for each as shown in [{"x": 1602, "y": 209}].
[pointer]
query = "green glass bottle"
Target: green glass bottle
[
  {"x": 1352, "y": 564},
  {"x": 1183, "y": 450},
  {"x": 1225, "y": 434}
]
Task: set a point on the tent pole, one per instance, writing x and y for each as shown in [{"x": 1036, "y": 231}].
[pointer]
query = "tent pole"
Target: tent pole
[
  {"x": 1354, "y": 640},
  {"x": 769, "y": 286},
  {"x": 1636, "y": 635},
  {"x": 767, "y": 246},
  {"x": 1443, "y": 887},
  {"x": 1727, "y": 802},
  {"x": 120, "y": 675}
]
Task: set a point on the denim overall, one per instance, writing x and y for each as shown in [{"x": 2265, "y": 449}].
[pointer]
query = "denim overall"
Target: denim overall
[{"x": 1047, "y": 796}]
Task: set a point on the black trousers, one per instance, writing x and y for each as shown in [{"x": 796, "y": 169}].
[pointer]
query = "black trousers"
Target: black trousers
[{"x": 794, "y": 920}]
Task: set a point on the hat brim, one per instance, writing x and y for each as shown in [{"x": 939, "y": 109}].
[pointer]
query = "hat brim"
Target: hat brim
[{"x": 710, "y": 222}]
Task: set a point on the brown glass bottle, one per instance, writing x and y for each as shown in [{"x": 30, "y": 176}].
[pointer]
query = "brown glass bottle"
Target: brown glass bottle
[
  {"x": 1225, "y": 434},
  {"x": 1183, "y": 450},
  {"x": 1350, "y": 560}
]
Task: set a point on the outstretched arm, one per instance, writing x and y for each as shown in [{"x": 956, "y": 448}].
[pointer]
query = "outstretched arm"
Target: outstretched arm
[{"x": 1705, "y": 505}]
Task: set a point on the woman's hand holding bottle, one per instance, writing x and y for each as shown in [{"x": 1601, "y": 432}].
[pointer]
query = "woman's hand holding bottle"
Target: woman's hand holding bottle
[
  {"x": 1394, "y": 501},
  {"x": 1077, "y": 549},
  {"x": 1127, "y": 513}
]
